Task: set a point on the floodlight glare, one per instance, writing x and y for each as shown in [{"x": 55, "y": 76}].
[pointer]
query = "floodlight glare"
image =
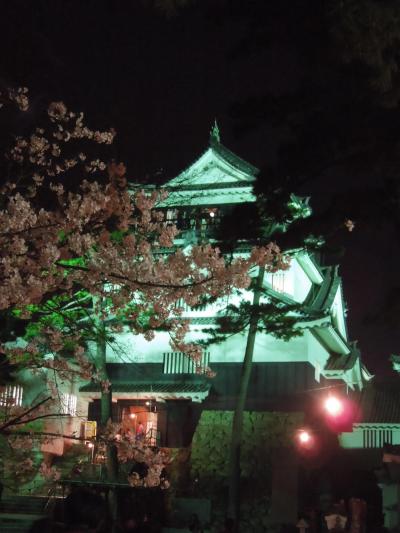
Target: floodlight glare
[
  {"x": 304, "y": 436},
  {"x": 333, "y": 406}
]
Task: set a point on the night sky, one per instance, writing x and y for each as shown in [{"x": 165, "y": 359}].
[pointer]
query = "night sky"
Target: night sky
[{"x": 160, "y": 80}]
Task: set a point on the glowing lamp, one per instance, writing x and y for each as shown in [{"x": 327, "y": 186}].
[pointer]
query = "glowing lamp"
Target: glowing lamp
[
  {"x": 333, "y": 406},
  {"x": 304, "y": 437},
  {"x": 132, "y": 415},
  {"x": 90, "y": 445}
]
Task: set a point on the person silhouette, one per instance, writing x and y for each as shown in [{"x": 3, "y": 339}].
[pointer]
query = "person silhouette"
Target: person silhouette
[{"x": 140, "y": 432}]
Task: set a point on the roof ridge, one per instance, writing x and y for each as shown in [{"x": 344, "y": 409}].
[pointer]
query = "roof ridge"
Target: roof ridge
[{"x": 232, "y": 157}]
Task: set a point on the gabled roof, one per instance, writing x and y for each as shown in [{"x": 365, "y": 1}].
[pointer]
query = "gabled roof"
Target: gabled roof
[
  {"x": 216, "y": 167},
  {"x": 217, "y": 177}
]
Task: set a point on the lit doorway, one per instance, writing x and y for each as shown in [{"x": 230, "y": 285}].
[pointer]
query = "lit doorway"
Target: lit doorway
[{"x": 140, "y": 423}]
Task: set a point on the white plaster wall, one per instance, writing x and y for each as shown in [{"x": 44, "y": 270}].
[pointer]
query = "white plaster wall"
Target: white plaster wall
[
  {"x": 136, "y": 349},
  {"x": 317, "y": 355},
  {"x": 352, "y": 439},
  {"x": 266, "y": 349},
  {"x": 338, "y": 313},
  {"x": 296, "y": 283},
  {"x": 301, "y": 282},
  {"x": 130, "y": 348},
  {"x": 396, "y": 436}
]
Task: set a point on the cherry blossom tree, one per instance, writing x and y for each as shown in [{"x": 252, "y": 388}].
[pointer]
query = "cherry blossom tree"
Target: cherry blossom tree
[{"x": 77, "y": 244}]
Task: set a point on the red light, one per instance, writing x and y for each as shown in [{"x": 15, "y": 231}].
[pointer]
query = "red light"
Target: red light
[
  {"x": 340, "y": 413},
  {"x": 333, "y": 406},
  {"x": 307, "y": 443},
  {"x": 305, "y": 439}
]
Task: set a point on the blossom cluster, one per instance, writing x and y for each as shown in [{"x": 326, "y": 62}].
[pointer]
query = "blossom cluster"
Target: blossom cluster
[{"x": 129, "y": 449}]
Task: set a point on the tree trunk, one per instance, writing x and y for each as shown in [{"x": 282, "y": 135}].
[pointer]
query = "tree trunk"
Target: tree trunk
[
  {"x": 237, "y": 424},
  {"x": 105, "y": 416},
  {"x": 106, "y": 406}
]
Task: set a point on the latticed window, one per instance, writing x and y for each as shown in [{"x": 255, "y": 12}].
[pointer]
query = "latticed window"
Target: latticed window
[
  {"x": 11, "y": 395},
  {"x": 376, "y": 438},
  {"x": 179, "y": 363},
  {"x": 278, "y": 282},
  {"x": 68, "y": 404}
]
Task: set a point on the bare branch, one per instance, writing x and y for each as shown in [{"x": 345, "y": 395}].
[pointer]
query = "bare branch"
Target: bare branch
[
  {"x": 19, "y": 417},
  {"x": 142, "y": 283},
  {"x": 50, "y": 415}
]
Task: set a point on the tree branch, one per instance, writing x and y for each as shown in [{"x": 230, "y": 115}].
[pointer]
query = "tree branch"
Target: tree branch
[
  {"x": 19, "y": 417},
  {"x": 44, "y": 434},
  {"x": 50, "y": 415},
  {"x": 120, "y": 277}
]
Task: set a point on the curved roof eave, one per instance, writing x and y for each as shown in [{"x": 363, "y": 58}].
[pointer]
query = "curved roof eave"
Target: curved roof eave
[{"x": 219, "y": 153}]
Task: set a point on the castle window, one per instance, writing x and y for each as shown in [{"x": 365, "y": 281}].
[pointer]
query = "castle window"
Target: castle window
[
  {"x": 179, "y": 363},
  {"x": 278, "y": 281},
  {"x": 376, "y": 438},
  {"x": 68, "y": 404},
  {"x": 282, "y": 281},
  {"x": 11, "y": 395}
]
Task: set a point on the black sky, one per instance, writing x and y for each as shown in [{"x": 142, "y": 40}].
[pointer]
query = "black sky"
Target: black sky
[{"x": 160, "y": 82}]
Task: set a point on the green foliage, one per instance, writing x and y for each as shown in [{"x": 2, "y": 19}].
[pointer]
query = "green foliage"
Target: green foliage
[
  {"x": 262, "y": 432},
  {"x": 275, "y": 318},
  {"x": 62, "y": 237},
  {"x": 75, "y": 261},
  {"x": 75, "y": 317},
  {"x": 34, "y": 426},
  {"x": 60, "y": 312},
  {"x": 117, "y": 236},
  {"x": 32, "y": 330}
]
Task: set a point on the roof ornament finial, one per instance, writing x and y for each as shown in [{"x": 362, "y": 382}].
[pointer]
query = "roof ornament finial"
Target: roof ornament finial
[{"x": 214, "y": 133}]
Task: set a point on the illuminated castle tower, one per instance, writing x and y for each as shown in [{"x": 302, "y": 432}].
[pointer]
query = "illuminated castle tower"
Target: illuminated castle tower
[{"x": 161, "y": 386}]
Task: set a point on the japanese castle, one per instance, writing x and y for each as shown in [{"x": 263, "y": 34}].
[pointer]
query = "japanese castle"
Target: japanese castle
[{"x": 159, "y": 388}]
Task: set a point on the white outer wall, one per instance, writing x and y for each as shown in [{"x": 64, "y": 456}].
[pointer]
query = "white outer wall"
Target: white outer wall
[
  {"x": 338, "y": 311},
  {"x": 317, "y": 354},
  {"x": 355, "y": 439},
  {"x": 133, "y": 348},
  {"x": 296, "y": 282}
]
